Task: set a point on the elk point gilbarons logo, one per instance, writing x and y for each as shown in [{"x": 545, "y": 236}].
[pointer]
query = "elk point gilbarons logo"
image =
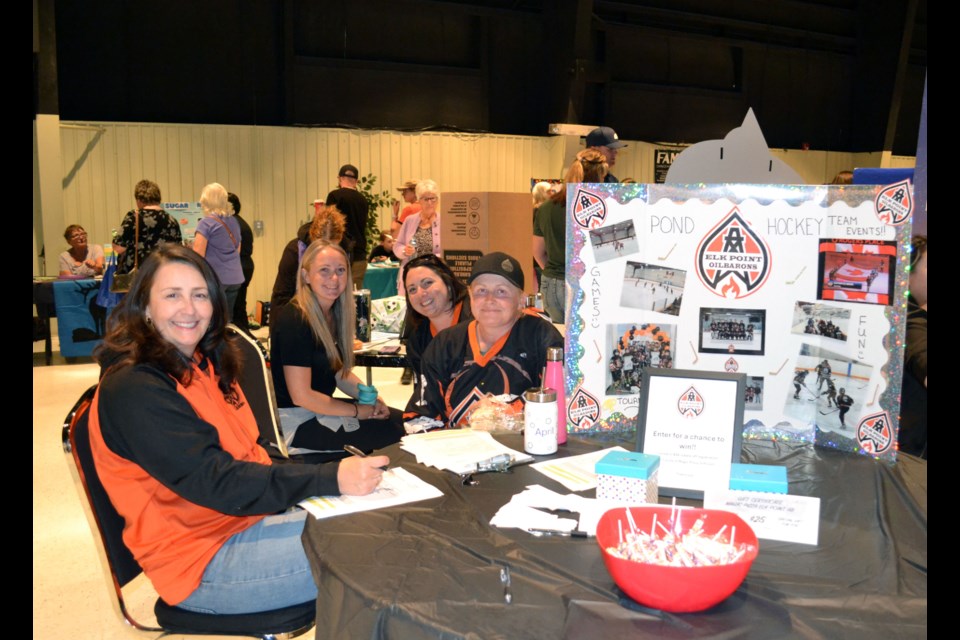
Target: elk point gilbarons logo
[
  {"x": 588, "y": 210},
  {"x": 584, "y": 410},
  {"x": 731, "y": 365},
  {"x": 894, "y": 204},
  {"x": 690, "y": 403},
  {"x": 732, "y": 260},
  {"x": 874, "y": 433}
]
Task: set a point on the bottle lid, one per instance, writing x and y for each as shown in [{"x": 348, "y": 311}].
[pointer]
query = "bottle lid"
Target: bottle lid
[
  {"x": 540, "y": 394},
  {"x": 555, "y": 353}
]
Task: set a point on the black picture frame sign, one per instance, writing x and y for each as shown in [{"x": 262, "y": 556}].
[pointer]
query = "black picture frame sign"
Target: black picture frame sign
[{"x": 694, "y": 421}]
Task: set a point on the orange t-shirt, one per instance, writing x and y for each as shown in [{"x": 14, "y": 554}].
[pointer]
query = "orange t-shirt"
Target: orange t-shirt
[
  {"x": 408, "y": 211},
  {"x": 172, "y": 538}
]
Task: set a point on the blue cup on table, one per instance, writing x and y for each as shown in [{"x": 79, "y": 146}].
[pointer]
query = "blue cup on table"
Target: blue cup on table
[{"x": 367, "y": 394}]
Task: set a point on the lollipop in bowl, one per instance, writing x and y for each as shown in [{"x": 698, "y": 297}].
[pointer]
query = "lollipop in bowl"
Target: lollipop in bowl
[{"x": 674, "y": 559}]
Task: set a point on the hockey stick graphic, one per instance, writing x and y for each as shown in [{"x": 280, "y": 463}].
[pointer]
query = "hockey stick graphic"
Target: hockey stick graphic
[
  {"x": 798, "y": 275},
  {"x": 773, "y": 373},
  {"x": 668, "y": 252}
]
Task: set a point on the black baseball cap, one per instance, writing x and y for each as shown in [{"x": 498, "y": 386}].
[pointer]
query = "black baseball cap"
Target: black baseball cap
[
  {"x": 604, "y": 137},
  {"x": 499, "y": 264},
  {"x": 349, "y": 171}
]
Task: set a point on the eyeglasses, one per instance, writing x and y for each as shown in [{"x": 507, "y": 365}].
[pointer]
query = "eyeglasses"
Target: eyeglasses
[
  {"x": 429, "y": 199},
  {"x": 77, "y": 236}
]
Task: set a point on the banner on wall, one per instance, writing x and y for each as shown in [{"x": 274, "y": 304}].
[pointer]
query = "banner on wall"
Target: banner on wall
[
  {"x": 801, "y": 288},
  {"x": 662, "y": 161},
  {"x": 188, "y": 215}
]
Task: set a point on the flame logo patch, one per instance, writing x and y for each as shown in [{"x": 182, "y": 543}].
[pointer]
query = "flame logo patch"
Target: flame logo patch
[
  {"x": 589, "y": 210},
  {"x": 690, "y": 403},
  {"x": 583, "y": 409},
  {"x": 894, "y": 204},
  {"x": 874, "y": 433},
  {"x": 732, "y": 261}
]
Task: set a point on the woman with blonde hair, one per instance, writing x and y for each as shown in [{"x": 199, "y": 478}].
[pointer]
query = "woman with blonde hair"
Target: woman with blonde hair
[
  {"x": 311, "y": 356},
  {"x": 328, "y": 224},
  {"x": 540, "y": 193},
  {"x": 218, "y": 240},
  {"x": 550, "y": 231}
]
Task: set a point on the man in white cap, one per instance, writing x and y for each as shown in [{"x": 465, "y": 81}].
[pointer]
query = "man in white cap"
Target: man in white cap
[{"x": 605, "y": 140}]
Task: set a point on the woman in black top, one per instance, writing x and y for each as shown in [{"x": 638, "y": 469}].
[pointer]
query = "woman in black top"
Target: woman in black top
[{"x": 436, "y": 299}]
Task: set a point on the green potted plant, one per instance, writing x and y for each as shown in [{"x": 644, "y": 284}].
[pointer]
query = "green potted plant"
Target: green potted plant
[{"x": 365, "y": 186}]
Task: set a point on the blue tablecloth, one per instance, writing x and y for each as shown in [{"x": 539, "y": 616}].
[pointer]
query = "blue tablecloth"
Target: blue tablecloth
[
  {"x": 80, "y": 320},
  {"x": 382, "y": 281}
]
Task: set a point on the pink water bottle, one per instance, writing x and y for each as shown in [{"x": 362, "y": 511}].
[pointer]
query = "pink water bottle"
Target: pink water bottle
[{"x": 553, "y": 379}]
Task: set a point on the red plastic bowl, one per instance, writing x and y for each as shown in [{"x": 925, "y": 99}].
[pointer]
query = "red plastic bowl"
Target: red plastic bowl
[{"x": 675, "y": 589}]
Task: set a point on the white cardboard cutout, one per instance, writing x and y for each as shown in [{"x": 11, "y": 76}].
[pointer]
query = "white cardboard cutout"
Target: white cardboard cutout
[{"x": 742, "y": 157}]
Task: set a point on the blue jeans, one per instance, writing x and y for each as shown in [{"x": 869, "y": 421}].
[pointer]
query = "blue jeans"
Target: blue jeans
[
  {"x": 554, "y": 295},
  {"x": 231, "y": 291},
  {"x": 262, "y": 568}
]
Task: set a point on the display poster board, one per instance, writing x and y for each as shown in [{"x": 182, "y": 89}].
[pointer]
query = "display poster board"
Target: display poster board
[
  {"x": 800, "y": 288},
  {"x": 187, "y": 215}
]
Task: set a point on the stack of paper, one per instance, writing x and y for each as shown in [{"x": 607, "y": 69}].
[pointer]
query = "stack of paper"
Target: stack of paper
[
  {"x": 457, "y": 450},
  {"x": 575, "y": 472},
  {"x": 398, "y": 486},
  {"x": 530, "y": 509}
]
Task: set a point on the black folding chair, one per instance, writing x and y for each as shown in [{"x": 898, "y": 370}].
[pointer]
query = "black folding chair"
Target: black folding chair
[
  {"x": 257, "y": 385},
  {"x": 288, "y": 622}
]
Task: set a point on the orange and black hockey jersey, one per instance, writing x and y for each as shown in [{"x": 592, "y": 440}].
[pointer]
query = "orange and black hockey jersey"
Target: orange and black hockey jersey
[{"x": 457, "y": 375}]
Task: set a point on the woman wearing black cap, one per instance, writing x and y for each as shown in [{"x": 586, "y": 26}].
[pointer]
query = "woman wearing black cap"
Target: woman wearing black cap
[{"x": 501, "y": 351}]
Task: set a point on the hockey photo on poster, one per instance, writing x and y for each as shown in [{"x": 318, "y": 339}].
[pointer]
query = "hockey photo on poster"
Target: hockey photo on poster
[
  {"x": 648, "y": 286},
  {"x": 615, "y": 241},
  {"x": 753, "y": 394},
  {"x": 829, "y": 321},
  {"x": 632, "y": 348},
  {"x": 857, "y": 271},
  {"x": 739, "y": 331}
]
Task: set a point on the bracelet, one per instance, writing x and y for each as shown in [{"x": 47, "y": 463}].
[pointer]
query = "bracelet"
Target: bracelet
[{"x": 356, "y": 410}]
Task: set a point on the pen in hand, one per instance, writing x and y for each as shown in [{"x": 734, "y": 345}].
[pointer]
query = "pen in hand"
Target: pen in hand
[{"x": 352, "y": 450}]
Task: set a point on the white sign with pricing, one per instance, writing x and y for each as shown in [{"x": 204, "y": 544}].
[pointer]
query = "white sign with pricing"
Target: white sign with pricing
[{"x": 773, "y": 516}]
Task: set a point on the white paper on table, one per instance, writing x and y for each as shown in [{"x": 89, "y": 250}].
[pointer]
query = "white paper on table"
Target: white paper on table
[
  {"x": 457, "y": 450},
  {"x": 772, "y": 516},
  {"x": 575, "y": 472},
  {"x": 521, "y": 513},
  {"x": 398, "y": 486}
]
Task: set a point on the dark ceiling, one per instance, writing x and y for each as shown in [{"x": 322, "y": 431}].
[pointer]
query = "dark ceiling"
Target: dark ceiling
[{"x": 838, "y": 75}]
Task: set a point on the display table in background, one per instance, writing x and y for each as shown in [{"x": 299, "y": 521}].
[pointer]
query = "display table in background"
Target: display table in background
[
  {"x": 431, "y": 569},
  {"x": 381, "y": 280},
  {"x": 81, "y": 321}
]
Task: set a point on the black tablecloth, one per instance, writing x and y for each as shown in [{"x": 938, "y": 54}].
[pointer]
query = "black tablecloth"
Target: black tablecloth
[{"x": 432, "y": 569}]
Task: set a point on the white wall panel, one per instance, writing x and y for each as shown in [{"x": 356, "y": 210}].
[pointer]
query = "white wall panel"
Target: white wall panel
[{"x": 278, "y": 171}]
